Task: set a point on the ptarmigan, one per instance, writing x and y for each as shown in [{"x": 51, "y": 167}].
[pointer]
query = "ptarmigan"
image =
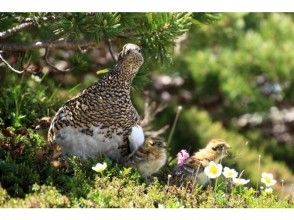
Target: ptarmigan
[
  {"x": 193, "y": 167},
  {"x": 150, "y": 157},
  {"x": 102, "y": 119}
]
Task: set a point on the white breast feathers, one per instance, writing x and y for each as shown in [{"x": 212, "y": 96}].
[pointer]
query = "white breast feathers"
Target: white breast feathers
[{"x": 136, "y": 138}]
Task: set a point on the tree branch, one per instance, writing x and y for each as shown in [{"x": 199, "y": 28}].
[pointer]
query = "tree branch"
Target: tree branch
[
  {"x": 9, "y": 66},
  {"x": 24, "y": 26},
  {"x": 74, "y": 45},
  {"x": 110, "y": 49},
  {"x": 158, "y": 132},
  {"x": 51, "y": 65}
]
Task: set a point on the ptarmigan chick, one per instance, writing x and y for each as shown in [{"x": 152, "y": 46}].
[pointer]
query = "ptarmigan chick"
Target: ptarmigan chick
[
  {"x": 102, "y": 119},
  {"x": 193, "y": 168},
  {"x": 150, "y": 157}
]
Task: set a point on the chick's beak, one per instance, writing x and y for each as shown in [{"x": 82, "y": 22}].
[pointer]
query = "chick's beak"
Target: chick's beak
[
  {"x": 164, "y": 145},
  {"x": 226, "y": 150}
]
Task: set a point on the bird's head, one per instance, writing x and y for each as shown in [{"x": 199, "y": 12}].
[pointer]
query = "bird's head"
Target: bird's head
[
  {"x": 131, "y": 58},
  {"x": 155, "y": 142},
  {"x": 218, "y": 147}
]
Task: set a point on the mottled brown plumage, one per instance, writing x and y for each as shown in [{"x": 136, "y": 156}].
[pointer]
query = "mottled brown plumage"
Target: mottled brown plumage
[
  {"x": 193, "y": 167},
  {"x": 150, "y": 157},
  {"x": 101, "y": 118}
]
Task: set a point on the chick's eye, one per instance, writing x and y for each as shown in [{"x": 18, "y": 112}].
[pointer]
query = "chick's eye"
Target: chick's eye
[{"x": 221, "y": 146}]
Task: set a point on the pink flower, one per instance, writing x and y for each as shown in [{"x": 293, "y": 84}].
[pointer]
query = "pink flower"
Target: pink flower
[{"x": 182, "y": 156}]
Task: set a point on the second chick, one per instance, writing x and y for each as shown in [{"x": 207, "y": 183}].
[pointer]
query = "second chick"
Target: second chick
[{"x": 193, "y": 168}]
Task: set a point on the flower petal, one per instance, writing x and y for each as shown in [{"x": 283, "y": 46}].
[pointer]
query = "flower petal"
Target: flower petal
[
  {"x": 99, "y": 167},
  {"x": 213, "y": 170},
  {"x": 182, "y": 156}
]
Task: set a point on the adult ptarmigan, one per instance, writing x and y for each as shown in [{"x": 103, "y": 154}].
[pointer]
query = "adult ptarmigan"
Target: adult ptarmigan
[{"x": 102, "y": 119}]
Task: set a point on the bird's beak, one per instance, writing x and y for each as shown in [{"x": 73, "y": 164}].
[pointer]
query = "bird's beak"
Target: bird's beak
[
  {"x": 164, "y": 145},
  {"x": 227, "y": 150}
]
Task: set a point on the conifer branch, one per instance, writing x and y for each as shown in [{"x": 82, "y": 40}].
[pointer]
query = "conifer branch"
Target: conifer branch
[
  {"x": 74, "y": 45},
  {"x": 24, "y": 26},
  {"x": 108, "y": 41}
]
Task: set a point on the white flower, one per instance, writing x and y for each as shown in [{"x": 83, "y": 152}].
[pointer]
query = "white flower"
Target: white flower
[
  {"x": 99, "y": 167},
  {"x": 261, "y": 187},
  {"x": 230, "y": 173},
  {"x": 240, "y": 181},
  {"x": 213, "y": 170},
  {"x": 268, "y": 179},
  {"x": 268, "y": 190}
]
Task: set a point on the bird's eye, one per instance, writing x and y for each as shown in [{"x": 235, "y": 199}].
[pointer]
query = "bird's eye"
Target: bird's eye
[
  {"x": 221, "y": 146},
  {"x": 218, "y": 147},
  {"x": 128, "y": 51},
  {"x": 139, "y": 50}
]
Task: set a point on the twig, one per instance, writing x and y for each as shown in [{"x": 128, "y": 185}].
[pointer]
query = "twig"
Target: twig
[
  {"x": 158, "y": 132},
  {"x": 179, "y": 109},
  {"x": 50, "y": 64},
  {"x": 108, "y": 41},
  {"x": 150, "y": 111},
  {"x": 24, "y": 26},
  {"x": 74, "y": 45},
  {"x": 9, "y": 66}
]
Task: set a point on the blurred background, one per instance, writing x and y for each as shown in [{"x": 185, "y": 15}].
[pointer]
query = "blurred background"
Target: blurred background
[{"x": 232, "y": 73}]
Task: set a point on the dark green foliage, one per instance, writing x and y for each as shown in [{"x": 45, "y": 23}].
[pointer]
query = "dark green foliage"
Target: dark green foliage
[
  {"x": 23, "y": 99},
  {"x": 206, "y": 18},
  {"x": 17, "y": 155},
  {"x": 155, "y": 32}
]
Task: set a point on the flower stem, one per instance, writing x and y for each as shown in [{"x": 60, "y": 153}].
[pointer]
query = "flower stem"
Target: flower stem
[
  {"x": 258, "y": 171},
  {"x": 168, "y": 179},
  {"x": 215, "y": 185}
]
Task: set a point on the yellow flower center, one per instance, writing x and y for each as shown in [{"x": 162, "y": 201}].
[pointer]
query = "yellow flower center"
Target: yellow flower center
[
  {"x": 267, "y": 179},
  {"x": 213, "y": 170}
]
